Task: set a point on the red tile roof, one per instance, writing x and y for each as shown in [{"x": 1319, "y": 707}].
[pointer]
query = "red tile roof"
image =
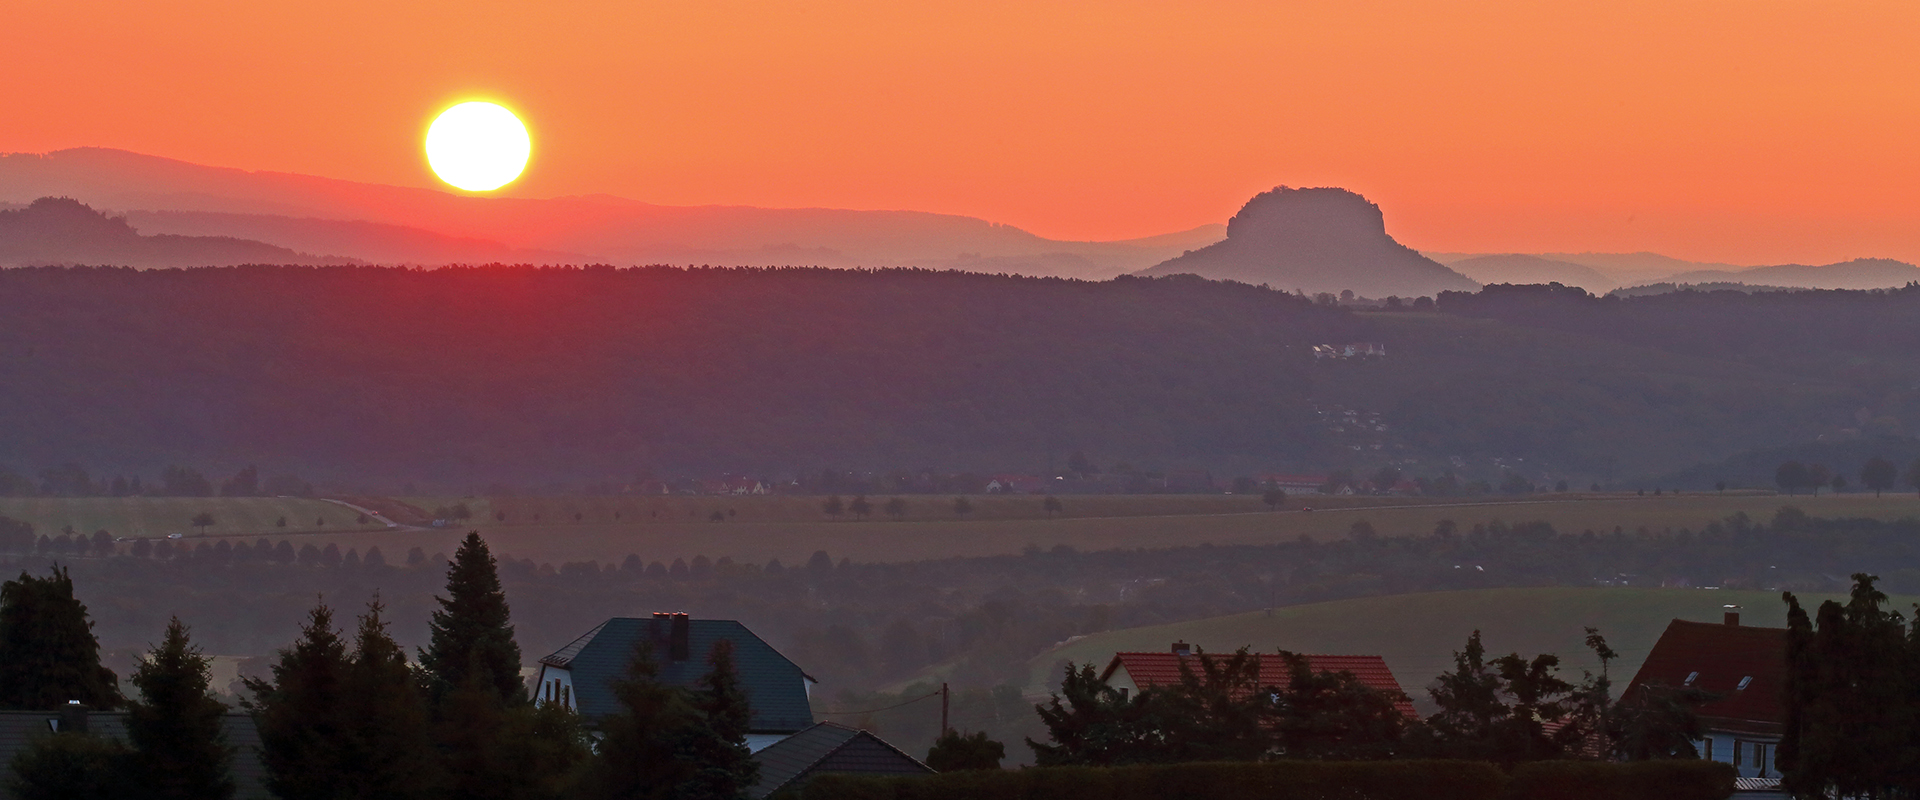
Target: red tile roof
[
  {"x": 1723, "y": 655},
  {"x": 1157, "y": 669}
]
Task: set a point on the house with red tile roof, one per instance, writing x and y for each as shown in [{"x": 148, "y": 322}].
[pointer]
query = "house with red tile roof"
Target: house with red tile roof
[
  {"x": 1132, "y": 672},
  {"x": 1745, "y": 668}
]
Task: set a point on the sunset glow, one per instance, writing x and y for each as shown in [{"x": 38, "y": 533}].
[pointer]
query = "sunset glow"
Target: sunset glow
[{"x": 1720, "y": 130}]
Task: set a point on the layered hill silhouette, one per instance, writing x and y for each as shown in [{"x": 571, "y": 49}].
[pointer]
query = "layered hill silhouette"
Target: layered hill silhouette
[
  {"x": 399, "y": 224},
  {"x": 1316, "y": 240},
  {"x": 1521, "y": 268},
  {"x": 53, "y": 231},
  {"x": 1860, "y": 273}
]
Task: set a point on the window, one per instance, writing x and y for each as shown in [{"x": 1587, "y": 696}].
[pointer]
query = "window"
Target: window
[
  {"x": 1706, "y": 749},
  {"x": 1760, "y": 758},
  {"x": 1737, "y": 747},
  {"x": 566, "y": 696},
  {"x": 1691, "y": 677},
  {"x": 1743, "y": 683}
]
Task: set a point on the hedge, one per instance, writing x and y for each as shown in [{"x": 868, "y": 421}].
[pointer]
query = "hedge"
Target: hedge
[
  {"x": 1592, "y": 780},
  {"x": 1301, "y": 780}
]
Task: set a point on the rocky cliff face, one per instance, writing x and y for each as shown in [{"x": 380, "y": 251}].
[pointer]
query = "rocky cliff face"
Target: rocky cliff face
[{"x": 1316, "y": 240}]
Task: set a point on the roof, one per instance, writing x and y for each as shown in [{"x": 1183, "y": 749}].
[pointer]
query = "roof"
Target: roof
[
  {"x": 829, "y": 747},
  {"x": 1159, "y": 669},
  {"x": 19, "y": 728},
  {"x": 776, "y": 687},
  {"x": 1723, "y": 655}
]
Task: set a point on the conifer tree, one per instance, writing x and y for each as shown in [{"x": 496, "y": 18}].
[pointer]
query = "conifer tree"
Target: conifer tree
[
  {"x": 180, "y": 750},
  {"x": 717, "y": 742},
  {"x": 48, "y": 654},
  {"x": 391, "y": 744},
  {"x": 472, "y": 632},
  {"x": 301, "y": 716},
  {"x": 640, "y": 752}
]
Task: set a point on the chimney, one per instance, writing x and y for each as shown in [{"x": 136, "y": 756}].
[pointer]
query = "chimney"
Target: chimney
[
  {"x": 657, "y": 634},
  {"x": 73, "y": 717},
  {"x": 677, "y": 647},
  {"x": 1733, "y": 615},
  {"x": 1182, "y": 649}
]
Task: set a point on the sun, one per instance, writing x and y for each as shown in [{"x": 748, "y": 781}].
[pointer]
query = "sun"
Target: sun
[{"x": 478, "y": 146}]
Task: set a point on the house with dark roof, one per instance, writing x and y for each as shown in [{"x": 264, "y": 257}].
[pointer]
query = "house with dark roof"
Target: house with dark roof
[
  {"x": 1133, "y": 672},
  {"x": 1745, "y": 669},
  {"x": 18, "y": 729},
  {"x": 829, "y": 747},
  {"x": 580, "y": 676}
]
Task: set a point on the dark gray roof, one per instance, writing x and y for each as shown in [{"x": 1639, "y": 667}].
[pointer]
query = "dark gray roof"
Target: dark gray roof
[
  {"x": 776, "y": 687},
  {"x": 19, "y": 728},
  {"x": 829, "y": 747}
]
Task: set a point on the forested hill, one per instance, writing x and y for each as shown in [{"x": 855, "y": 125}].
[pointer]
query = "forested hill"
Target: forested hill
[
  {"x": 463, "y": 377},
  {"x": 524, "y": 374}
]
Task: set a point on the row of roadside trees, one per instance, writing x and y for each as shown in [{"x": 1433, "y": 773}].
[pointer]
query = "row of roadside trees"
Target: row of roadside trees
[{"x": 1878, "y": 475}]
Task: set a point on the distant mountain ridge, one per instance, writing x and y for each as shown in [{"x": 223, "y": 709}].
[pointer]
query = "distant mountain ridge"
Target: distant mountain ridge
[
  {"x": 1316, "y": 240},
  {"x": 1522, "y": 268},
  {"x": 1642, "y": 272},
  {"x": 425, "y": 225},
  {"x": 60, "y": 231},
  {"x": 1860, "y": 273}
]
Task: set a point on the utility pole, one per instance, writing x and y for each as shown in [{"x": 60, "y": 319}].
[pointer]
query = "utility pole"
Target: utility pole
[{"x": 943, "y": 710}]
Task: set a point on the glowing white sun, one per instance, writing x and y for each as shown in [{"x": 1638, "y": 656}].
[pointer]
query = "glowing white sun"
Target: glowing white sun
[{"x": 478, "y": 146}]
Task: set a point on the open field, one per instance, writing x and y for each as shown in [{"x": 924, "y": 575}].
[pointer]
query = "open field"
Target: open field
[
  {"x": 149, "y": 517},
  {"x": 1417, "y": 634},
  {"x": 883, "y": 539}
]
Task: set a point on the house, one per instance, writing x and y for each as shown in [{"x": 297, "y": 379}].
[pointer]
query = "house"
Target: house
[
  {"x": 580, "y": 676},
  {"x": 828, "y": 747},
  {"x": 1132, "y": 672},
  {"x": 1016, "y": 484},
  {"x": 18, "y": 729},
  {"x": 1746, "y": 669}
]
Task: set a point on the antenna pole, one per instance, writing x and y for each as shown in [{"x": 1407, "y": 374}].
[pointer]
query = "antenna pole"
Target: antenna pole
[{"x": 943, "y": 710}]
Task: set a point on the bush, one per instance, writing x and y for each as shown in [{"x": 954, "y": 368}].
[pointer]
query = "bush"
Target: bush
[
  {"x": 1678, "y": 779},
  {"x": 1301, "y": 780}
]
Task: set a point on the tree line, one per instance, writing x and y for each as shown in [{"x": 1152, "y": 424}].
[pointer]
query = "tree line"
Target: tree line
[
  {"x": 72, "y": 480},
  {"x": 1506, "y": 709},
  {"x": 350, "y": 715}
]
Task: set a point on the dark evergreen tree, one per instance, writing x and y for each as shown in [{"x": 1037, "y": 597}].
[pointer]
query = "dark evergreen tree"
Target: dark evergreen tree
[
  {"x": 472, "y": 632},
  {"x": 640, "y": 751},
  {"x": 305, "y": 738},
  {"x": 180, "y": 750},
  {"x": 48, "y": 654},
  {"x": 389, "y": 740},
  {"x": 724, "y": 769},
  {"x": 1851, "y": 716}
]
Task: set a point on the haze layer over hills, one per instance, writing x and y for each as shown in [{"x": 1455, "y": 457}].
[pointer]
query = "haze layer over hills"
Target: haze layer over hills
[
  {"x": 391, "y": 224},
  {"x": 61, "y": 231},
  {"x": 1316, "y": 240}
]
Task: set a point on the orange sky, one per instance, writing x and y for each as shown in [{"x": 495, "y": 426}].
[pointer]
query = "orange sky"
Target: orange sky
[{"x": 1749, "y": 131}]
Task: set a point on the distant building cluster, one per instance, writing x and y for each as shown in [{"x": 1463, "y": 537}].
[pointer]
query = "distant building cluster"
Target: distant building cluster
[{"x": 1352, "y": 350}]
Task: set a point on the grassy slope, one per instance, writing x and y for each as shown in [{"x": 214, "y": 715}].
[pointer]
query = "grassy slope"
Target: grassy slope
[
  {"x": 1417, "y": 634},
  {"x": 880, "y": 539},
  {"x": 158, "y": 516}
]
